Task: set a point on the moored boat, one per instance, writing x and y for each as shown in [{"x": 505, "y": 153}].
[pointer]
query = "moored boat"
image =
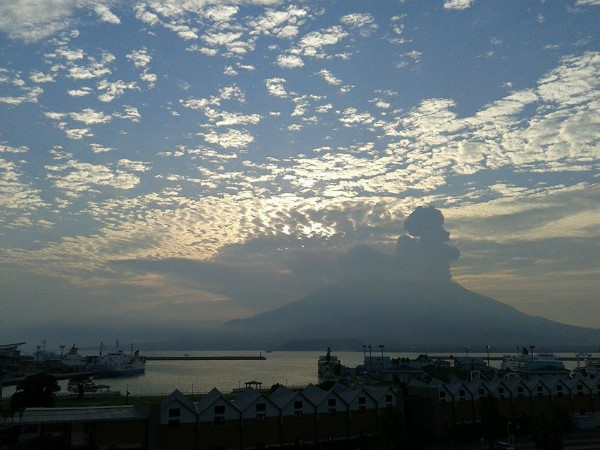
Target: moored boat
[
  {"x": 118, "y": 364},
  {"x": 329, "y": 367}
]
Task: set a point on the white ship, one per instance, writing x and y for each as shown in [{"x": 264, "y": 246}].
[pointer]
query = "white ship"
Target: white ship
[
  {"x": 591, "y": 364},
  {"x": 73, "y": 361},
  {"x": 118, "y": 364},
  {"x": 528, "y": 362},
  {"x": 329, "y": 368}
]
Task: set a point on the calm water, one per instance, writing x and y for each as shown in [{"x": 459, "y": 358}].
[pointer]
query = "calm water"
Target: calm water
[{"x": 289, "y": 368}]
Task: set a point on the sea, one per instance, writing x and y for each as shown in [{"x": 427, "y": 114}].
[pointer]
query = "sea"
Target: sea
[{"x": 292, "y": 369}]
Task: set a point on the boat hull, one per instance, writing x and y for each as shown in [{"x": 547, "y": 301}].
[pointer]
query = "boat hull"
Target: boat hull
[{"x": 108, "y": 373}]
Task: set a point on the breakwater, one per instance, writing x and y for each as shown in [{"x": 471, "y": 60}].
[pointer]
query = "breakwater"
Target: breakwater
[{"x": 205, "y": 358}]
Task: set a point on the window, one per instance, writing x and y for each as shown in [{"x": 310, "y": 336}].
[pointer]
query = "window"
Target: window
[
  {"x": 388, "y": 398},
  {"x": 219, "y": 409},
  {"x": 260, "y": 417},
  {"x": 362, "y": 400},
  {"x": 298, "y": 404},
  {"x": 219, "y": 420},
  {"x": 297, "y": 414},
  {"x": 261, "y": 407},
  {"x": 174, "y": 415},
  {"x": 481, "y": 392},
  {"x": 331, "y": 402}
]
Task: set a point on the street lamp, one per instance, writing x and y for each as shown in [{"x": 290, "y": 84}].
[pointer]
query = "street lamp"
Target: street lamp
[
  {"x": 381, "y": 347},
  {"x": 467, "y": 350},
  {"x": 364, "y": 352},
  {"x": 487, "y": 347},
  {"x": 370, "y": 347},
  {"x": 531, "y": 347}
]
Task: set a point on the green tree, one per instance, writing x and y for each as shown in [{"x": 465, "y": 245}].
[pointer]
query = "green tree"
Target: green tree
[
  {"x": 81, "y": 384},
  {"x": 35, "y": 390}
]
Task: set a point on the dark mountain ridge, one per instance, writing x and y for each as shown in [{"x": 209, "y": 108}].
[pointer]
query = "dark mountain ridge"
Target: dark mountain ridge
[{"x": 405, "y": 315}]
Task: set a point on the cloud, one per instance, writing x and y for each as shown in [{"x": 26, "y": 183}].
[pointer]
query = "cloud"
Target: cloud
[
  {"x": 106, "y": 15},
  {"x": 129, "y": 113},
  {"x": 39, "y": 77},
  {"x": 140, "y": 58},
  {"x": 14, "y": 150},
  {"x": 77, "y": 133},
  {"x": 458, "y": 4},
  {"x": 289, "y": 61},
  {"x": 90, "y": 117},
  {"x": 276, "y": 87},
  {"x": 83, "y": 92},
  {"x": 312, "y": 43},
  {"x": 97, "y": 148},
  {"x": 229, "y": 139},
  {"x": 329, "y": 77},
  {"x": 422, "y": 256},
  {"x": 114, "y": 89},
  {"x": 16, "y": 194},
  {"x": 135, "y": 166},
  {"x": 364, "y": 22},
  {"x": 74, "y": 178},
  {"x": 223, "y": 118}
]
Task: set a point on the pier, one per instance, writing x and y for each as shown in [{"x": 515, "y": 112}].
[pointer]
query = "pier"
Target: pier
[
  {"x": 205, "y": 358},
  {"x": 498, "y": 358}
]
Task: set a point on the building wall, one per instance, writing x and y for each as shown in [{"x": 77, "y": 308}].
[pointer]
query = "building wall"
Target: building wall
[
  {"x": 332, "y": 426},
  {"x": 298, "y": 429},
  {"x": 114, "y": 434},
  {"x": 255, "y": 433},
  {"x": 224, "y": 435},
  {"x": 182, "y": 437}
]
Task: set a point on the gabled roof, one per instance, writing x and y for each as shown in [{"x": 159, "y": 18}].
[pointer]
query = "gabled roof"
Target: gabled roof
[
  {"x": 177, "y": 396},
  {"x": 210, "y": 398},
  {"x": 282, "y": 396},
  {"x": 314, "y": 394},
  {"x": 339, "y": 388},
  {"x": 418, "y": 383},
  {"x": 378, "y": 392},
  {"x": 247, "y": 397}
]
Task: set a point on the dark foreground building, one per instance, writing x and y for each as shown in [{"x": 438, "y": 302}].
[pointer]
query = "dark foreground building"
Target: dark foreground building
[{"x": 250, "y": 419}]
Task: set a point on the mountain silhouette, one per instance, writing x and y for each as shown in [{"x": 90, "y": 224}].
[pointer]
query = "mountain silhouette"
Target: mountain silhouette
[
  {"x": 408, "y": 300},
  {"x": 411, "y": 315}
]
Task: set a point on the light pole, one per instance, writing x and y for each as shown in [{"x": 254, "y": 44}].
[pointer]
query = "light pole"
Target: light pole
[
  {"x": 531, "y": 347},
  {"x": 508, "y": 429},
  {"x": 370, "y": 361},
  {"x": 381, "y": 347},
  {"x": 487, "y": 347},
  {"x": 364, "y": 352},
  {"x": 467, "y": 350}
]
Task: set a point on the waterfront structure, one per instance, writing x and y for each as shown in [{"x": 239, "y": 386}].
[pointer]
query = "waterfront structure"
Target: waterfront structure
[
  {"x": 249, "y": 419},
  {"x": 435, "y": 408}
]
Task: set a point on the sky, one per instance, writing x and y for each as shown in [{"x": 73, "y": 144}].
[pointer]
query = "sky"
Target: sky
[{"x": 169, "y": 165}]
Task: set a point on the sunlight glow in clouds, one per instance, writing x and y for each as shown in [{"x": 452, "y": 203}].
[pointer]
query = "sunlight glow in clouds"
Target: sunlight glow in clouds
[{"x": 252, "y": 132}]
